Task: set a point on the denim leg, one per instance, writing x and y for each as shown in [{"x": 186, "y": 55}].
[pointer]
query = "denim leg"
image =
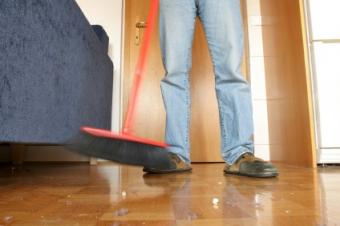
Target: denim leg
[
  {"x": 222, "y": 23},
  {"x": 177, "y": 24}
]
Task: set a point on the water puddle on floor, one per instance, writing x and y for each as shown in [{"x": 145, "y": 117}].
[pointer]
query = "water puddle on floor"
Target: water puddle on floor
[
  {"x": 192, "y": 216},
  {"x": 8, "y": 219},
  {"x": 121, "y": 212}
]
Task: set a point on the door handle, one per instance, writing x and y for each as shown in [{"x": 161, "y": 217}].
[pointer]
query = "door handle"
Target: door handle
[{"x": 139, "y": 25}]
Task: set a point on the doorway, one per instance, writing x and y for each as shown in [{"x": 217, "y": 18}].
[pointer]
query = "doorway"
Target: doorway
[
  {"x": 290, "y": 127},
  {"x": 150, "y": 120}
]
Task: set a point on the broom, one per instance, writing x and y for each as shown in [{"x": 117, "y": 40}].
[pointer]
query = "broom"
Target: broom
[{"x": 125, "y": 147}]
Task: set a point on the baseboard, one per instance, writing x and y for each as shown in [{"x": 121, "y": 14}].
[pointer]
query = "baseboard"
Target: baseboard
[
  {"x": 60, "y": 154},
  {"x": 52, "y": 153},
  {"x": 331, "y": 155},
  {"x": 43, "y": 154},
  {"x": 262, "y": 151}
]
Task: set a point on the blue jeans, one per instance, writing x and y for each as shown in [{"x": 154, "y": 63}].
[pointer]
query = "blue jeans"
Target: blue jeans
[{"x": 222, "y": 24}]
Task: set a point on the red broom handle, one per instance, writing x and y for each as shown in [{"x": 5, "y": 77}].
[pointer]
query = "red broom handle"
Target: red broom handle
[{"x": 140, "y": 67}]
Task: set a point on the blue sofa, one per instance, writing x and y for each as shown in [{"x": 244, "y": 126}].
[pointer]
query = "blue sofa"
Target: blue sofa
[{"x": 55, "y": 74}]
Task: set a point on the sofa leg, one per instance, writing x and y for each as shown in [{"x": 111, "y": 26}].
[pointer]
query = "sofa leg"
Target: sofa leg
[
  {"x": 93, "y": 161},
  {"x": 17, "y": 153}
]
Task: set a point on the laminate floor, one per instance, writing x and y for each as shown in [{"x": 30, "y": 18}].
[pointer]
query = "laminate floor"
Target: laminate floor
[{"x": 113, "y": 195}]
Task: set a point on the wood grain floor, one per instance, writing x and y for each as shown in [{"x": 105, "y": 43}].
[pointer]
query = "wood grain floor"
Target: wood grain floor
[{"x": 112, "y": 195}]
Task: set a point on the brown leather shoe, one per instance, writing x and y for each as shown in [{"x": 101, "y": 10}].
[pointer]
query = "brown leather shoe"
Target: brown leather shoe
[
  {"x": 177, "y": 165},
  {"x": 249, "y": 165}
]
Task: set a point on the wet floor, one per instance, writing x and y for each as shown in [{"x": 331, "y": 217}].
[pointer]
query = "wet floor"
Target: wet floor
[{"x": 114, "y": 195}]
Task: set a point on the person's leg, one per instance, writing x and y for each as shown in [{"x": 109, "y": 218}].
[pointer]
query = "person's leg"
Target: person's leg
[
  {"x": 176, "y": 24},
  {"x": 222, "y": 23}
]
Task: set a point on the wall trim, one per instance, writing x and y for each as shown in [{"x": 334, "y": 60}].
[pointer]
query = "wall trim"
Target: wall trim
[{"x": 329, "y": 155}]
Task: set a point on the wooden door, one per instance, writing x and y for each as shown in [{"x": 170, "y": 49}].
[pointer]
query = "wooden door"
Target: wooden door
[
  {"x": 288, "y": 86},
  {"x": 150, "y": 120}
]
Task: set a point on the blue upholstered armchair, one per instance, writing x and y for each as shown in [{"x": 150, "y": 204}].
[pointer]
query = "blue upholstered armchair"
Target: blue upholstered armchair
[{"x": 55, "y": 74}]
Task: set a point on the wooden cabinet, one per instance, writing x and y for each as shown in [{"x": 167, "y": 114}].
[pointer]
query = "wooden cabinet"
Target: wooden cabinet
[{"x": 287, "y": 78}]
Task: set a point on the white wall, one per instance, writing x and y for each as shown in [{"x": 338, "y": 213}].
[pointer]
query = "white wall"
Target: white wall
[
  {"x": 109, "y": 14},
  {"x": 257, "y": 78}
]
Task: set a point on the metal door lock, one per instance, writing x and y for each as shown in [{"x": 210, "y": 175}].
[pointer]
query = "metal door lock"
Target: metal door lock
[{"x": 139, "y": 25}]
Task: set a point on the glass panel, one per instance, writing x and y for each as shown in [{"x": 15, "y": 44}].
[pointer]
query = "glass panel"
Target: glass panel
[
  {"x": 327, "y": 71},
  {"x": 325, "y": 18}
]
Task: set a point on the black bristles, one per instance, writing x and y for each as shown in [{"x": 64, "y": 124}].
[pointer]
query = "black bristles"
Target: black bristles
[{"x": 121, "y": 151}]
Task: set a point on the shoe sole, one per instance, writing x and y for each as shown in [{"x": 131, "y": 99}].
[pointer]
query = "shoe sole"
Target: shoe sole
[
  {"x": 265, "y": 175},
  {"x": 155, "y": 171}
]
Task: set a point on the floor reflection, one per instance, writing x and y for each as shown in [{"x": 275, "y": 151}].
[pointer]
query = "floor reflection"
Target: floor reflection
[{"x": 122, "y": 195}]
